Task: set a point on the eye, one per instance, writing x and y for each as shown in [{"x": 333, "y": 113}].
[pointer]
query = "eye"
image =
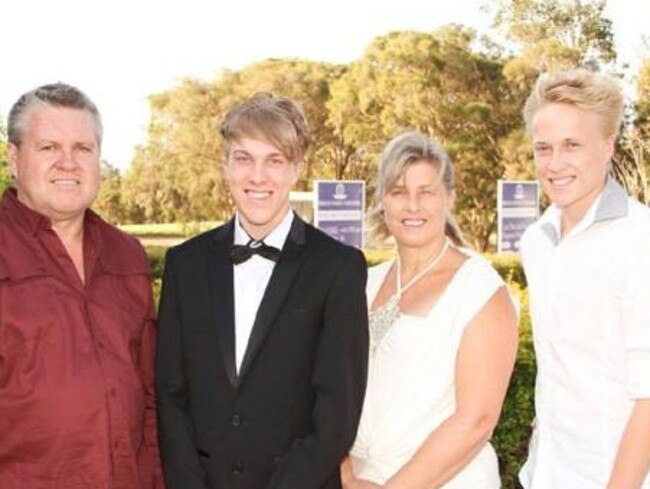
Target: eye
[
  {"x": 276, "y": 161},
  {"x": 240, "y": 158},
  {"x": 46, "y": 147},
  {"x": 542, "y": 150},
  {"x": 573, "y": 144},
  {"x": 85, "y": 148}
]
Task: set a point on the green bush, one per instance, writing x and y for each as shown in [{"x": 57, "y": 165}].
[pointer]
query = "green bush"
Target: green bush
[
  {"x": 511, "y": 436},
  {"x": 509, "y": 267},
  {"x": 156, "y": 256}
]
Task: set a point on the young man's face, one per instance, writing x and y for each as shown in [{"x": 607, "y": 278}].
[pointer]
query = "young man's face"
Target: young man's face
[
  {"x": 260, "y": 178},
  {"x": 572, "y": 157},
  {"x": 56, "y": 165}
]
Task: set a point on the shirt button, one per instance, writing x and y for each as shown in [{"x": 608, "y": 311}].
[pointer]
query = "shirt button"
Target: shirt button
[
  {"x": 111, "y": 391},
  {"x": 238, "y": 468},
  {"x": 236, "y": 420}
]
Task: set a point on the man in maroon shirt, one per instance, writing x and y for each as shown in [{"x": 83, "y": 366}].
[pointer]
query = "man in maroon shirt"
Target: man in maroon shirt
[{"x": 77, "y": 404}]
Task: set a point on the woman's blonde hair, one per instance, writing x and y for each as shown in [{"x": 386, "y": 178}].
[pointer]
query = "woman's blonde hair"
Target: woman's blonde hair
[
  {"x": 403, "y": 150},
  {"x": 592, "y": 92}
]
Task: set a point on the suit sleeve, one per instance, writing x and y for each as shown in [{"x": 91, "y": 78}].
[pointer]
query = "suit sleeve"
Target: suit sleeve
[
  {"x": 181, "y": 466},
  {"x": 339, "y": 382}
]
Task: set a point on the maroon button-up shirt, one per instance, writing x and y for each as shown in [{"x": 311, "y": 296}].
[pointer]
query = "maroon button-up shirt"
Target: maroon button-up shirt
[{"x": 77, "y": 407}]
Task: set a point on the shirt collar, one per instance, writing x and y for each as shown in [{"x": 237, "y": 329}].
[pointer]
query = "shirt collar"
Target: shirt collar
[
  {"x": 26, "y": 217},
  {"x": 275, "y": 238},
  {"x": 611, "y": 203}
]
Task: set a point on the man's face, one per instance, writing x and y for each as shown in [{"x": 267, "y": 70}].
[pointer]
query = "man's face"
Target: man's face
[
  {"x": 572, "y": 157},
  {"x": 56, "y": 165},
  {"x": 260, "y": 178}
]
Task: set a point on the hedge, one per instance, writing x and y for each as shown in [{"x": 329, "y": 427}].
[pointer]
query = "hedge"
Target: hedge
[{"x": 510, "y": 439}]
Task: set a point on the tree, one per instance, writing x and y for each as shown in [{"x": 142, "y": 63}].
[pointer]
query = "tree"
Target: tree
[
  {"x": 5, "y": 174},
  {"x": 642, "y": 106},
  {"x": 108, "y": 202},
  {"x": 177, "y": 174},
  {"x": 436, "y": 83},
  {"x": 556, "y": 34}
]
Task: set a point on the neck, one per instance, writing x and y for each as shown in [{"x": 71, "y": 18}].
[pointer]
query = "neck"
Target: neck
[
  {"x": 69, "y": 231},
  {"x": 415, "y": 259},
  {"x": 571, "y": 215}
]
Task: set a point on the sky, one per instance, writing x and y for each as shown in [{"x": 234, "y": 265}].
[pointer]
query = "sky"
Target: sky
[{"x": 121, "y": 51}]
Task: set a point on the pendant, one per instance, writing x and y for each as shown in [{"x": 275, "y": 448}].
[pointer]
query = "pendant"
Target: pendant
[{"x": 381, "y": 320}]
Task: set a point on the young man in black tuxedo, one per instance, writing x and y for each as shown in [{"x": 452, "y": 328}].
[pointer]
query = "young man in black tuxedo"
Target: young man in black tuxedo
[{"x": 262, "y": 348}]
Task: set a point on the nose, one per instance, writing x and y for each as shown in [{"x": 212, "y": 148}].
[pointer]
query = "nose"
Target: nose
[
  {"x": 67, "y": 160},
  {"x": 258, "y": 172},
  {"x": 556, "y": 161},
  {"x": 412, "y": 202}
]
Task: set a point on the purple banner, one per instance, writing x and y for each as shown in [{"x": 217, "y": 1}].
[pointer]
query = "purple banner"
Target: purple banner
[{"x": 339, "y": 209}]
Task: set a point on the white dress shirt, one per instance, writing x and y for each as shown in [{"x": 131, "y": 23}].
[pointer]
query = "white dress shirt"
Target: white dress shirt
[
  {"x": 250, "y": 279},
  {"x": 590, "y": 308}
]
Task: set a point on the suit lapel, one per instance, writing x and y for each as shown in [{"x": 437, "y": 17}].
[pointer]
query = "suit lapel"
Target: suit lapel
[
  {"x": 221, "y": 278},
  {"x": 276, "y": 291}
]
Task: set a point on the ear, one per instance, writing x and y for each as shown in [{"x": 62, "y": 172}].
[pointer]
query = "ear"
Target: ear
[{"x": 12, "y": 154}]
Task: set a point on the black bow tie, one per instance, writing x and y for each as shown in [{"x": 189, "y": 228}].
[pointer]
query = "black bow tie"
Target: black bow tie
[{"x": 241, "y": 253}]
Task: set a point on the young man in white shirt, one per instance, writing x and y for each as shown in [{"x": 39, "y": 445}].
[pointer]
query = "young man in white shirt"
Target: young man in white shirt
[
  {"x": 587, "y": 261},
  {"x": 263, "y": 333}
]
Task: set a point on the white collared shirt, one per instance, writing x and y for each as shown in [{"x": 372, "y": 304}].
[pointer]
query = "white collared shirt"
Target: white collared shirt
[
  {"x": 250, "y": 279},
  {"x": 590, "y": 307}
]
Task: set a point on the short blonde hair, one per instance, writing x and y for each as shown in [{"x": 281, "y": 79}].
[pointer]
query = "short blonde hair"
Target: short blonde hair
[
  {"x": 586, "y": 90},
  {"x": 276, "y": 120},
  {"x": 402, "y": 151}
]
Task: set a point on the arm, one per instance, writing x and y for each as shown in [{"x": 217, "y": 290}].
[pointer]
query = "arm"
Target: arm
[
  {"x": 485, "y": 360},
  {"x": 181, "y": 466},
  {"x": 338, "y": 380},
  {"x": 150, "y": 458},
  {"x": 350, "y": 481},
  {"x": 633, "y": 457},
  {"x": 632, "y": 462}
]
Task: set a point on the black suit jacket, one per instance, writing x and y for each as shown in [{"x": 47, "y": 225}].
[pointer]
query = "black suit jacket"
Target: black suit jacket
[{"x": 290, "y": 416}]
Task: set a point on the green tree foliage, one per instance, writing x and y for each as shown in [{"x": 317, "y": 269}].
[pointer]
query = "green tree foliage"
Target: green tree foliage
[
  {"x": 463, "y": 91},
  {"x": 555, "y": 34},
  {"x": 177, "y": 174},
  {"x": 108, "y": 203},
  {"x": 5, "y": 175},
  {"x": 438, "y": 84},
  {"x": 642, "y": 106}
]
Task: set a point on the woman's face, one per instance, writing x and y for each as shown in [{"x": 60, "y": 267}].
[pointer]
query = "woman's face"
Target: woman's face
[{"x": 416, "y": 206}]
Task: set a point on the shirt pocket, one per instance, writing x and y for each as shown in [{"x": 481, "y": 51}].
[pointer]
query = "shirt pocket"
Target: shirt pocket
[{"x": 27, "y": 312}]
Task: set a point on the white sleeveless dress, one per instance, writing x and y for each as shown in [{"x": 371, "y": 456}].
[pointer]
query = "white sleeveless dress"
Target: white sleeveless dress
[{"x": 411, "y": 379}]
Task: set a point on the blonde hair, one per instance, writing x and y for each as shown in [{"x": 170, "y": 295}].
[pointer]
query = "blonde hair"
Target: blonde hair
[
  {"x": 589, "y": 91},
  {"x": 403, "y": 150},
  {"x": 277, "y": 120}
]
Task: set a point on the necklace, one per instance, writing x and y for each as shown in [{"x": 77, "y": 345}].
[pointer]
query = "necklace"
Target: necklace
[{"x": 382, "y": 318}]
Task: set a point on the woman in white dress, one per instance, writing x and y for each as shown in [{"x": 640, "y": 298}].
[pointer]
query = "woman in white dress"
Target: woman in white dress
[{"x": 443, "y": 336}]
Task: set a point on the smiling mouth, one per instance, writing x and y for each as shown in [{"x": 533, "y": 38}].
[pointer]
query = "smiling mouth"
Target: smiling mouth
[
  {"x": 561, "y": 182},
  {"x": 413, "y": 223},
  {"x": 258, "y": 194},
  {"x": 65, "y": 182}
]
